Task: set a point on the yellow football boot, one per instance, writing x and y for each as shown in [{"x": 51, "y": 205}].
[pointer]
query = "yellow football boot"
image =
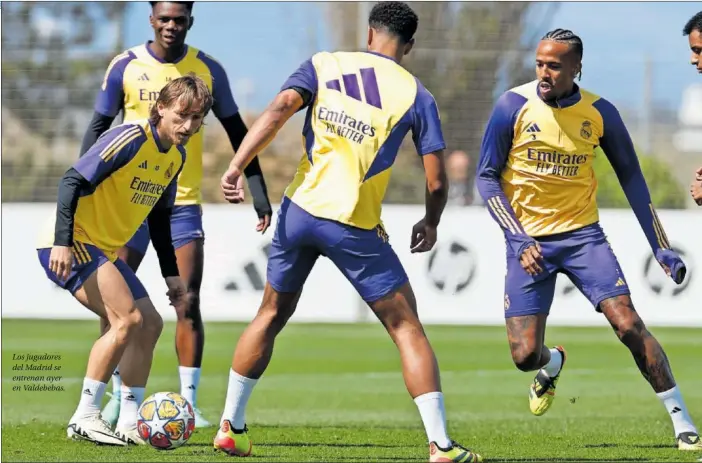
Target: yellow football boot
[
  {"x": 689, "y": 441},
  {"x": 543, "y": 390},
  {"x": 233, "y": 442},
  {"x": 456, "y": 453}
]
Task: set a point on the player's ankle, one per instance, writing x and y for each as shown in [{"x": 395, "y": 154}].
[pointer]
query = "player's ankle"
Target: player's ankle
[
  {"x": 553, "y": 367},
  {"x": 433, "y": 413},
  {"x": 446, "y": 448},
  {"x": 189, "y": 382}
]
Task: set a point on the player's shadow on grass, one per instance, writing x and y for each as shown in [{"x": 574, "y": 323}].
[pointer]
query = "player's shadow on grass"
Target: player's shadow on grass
[
  {"x": 653, "y": 446},
  {"x": 313, "y": 444},
  {"x": 569, "y": 459},
  {"x": 344, "y": 426},
  {"x": 637, "y": 446},
  {"x": 332, "y": 444}
]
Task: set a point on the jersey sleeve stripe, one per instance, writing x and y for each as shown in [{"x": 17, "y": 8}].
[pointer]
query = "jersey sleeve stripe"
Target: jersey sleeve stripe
[
  {"x": 509, "y": 217},
  {"x": 117, "y": 149},
  {"x": 658, "y": 227},
  {"x": 118, "y": 143},
  {"x": 493, "y": 203},
  {"x": 114, "y": 62}
]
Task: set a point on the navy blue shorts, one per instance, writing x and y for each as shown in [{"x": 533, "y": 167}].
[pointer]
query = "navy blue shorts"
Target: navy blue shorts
[
  {"x": 86, "y": 260},
  {"x": 584, "y": 255},
  {"x": 186, "y": 227},
  {"x": 365, "y": 257}
]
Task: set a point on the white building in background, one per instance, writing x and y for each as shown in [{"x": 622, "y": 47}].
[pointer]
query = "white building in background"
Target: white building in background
[{"x": 688, "y": 138}]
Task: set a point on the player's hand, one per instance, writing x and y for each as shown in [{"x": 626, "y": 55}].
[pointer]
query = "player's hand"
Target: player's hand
[
  {"x": 672, "y": 264},
  {"x": 699, "y": 174},
  {"x": 530, "y": 259},
  {"x": 696, "y": 191},
  {"x": 263, "y": 223},
  {"x": 176, "y": 291},
  {"x": 423, "y": 237},
  {"x": 61, "y": 261},
  {"x": 232, "y": 185}
]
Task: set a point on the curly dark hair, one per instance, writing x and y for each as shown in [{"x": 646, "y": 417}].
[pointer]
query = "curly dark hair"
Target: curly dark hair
[
  {"x": 188, "y": 5},
  {"x": 694, "y": 24},
  {"x": 397, "y": 18}
]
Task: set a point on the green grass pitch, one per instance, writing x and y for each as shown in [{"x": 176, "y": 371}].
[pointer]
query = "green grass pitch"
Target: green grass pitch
[{"x": 335, "y": 393}]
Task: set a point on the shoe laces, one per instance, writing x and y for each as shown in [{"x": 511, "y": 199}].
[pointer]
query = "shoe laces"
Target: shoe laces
[{"x": 103, "y": 425}]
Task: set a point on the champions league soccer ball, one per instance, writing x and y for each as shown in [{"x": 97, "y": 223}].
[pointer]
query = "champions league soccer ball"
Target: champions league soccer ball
[{"x": 165, "y": 420}]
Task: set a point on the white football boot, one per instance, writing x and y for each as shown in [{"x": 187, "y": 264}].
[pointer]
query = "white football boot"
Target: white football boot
[{"x": 92, "y": 429}]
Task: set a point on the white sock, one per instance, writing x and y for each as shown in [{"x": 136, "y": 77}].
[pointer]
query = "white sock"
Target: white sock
[
  {"x": 675, "y": 406},
  {"x": 431, "y": 409},
  {"x": 116, "y": 383},
  {"x": 189, "y": 380},
  {"x": 132, "y": 397},
  {"x": 90, "y": 398},
  {"x": 553, "y": 367},
  {"x": 238, "y": 394}
]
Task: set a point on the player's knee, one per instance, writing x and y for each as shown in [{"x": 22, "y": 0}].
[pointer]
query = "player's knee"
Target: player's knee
[
  {"x": 152, "y": 325},
  {"x": 625, "y": 321},
  {"x": 630, "y": 330},
  {"x": 191, "y": 307},
  {"x": 403, "y": 325},
  {"x": 274, "y": 314},
  {"x": 398, "y": 313},
  {"x": 127, "y": 325},
  {"x": 526, "y": 359},
  {"x": 276, "y": 309}
]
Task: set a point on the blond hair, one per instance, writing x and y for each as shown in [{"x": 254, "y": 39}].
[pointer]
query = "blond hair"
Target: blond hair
[{"x": 189, "y": 90}]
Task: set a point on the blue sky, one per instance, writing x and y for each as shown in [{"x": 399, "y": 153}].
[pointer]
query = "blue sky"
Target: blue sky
[{"x": 260, "y": 44}]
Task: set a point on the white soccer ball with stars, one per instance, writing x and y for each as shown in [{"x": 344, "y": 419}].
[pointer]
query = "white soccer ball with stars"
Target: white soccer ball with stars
[{"x": 166, "y": 420}]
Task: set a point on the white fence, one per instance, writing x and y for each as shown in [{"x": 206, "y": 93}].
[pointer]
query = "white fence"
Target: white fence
[{"x": 459, "y": 282}]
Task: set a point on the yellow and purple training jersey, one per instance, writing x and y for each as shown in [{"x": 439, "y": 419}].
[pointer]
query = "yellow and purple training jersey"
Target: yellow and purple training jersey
[
  {"x": 128, "y": 172},
  {"x": 361, "y": 107},
  {"x": 536, "y": 165},
  {"x": 132, "y": 83}
]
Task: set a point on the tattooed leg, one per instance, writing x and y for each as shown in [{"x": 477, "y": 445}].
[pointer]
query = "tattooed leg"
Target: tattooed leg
[
  {"x": 647, "y": 352},
  {"x": 526, "y": 341}
]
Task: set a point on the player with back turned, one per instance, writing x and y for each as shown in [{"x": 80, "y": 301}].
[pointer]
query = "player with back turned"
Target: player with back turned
[
  {"x": 360, "y": 107},
  {"x": 536, "y": 176},
  {"x": 132, "y": 83},
  {"x": 693, "y": 31},
  {"x": 128, "y": 176}
]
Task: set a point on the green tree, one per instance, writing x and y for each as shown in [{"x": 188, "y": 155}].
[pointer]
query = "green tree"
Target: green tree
[
  {"x": 54, "y": 56},
  {"x": 666, "y": 191}
]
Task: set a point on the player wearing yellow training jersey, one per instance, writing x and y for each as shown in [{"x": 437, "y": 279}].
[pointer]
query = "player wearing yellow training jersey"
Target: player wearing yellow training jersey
[
  {"x": 360, "y": 107},
  {"x": 132, "y": 83},
  {"x": 128, "y": 176},
  {"x": 693, "y": 31},
  {"x": 536, "y": 176}
]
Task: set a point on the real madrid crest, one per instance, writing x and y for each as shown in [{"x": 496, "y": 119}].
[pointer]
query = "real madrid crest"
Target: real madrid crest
[
  {"x": 586, "y": 129},
  {"x": 169, "y": 171}
]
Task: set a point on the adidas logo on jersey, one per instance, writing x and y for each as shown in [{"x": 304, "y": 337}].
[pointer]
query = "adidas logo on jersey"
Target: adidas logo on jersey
[
  {"x": 533, "y": 128},
  {"x": 369, "y": 82},
  {"x": 143, "y": 77},
  {"x": 143, "y": 165},
  {"x": 620, "y": 282}
]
